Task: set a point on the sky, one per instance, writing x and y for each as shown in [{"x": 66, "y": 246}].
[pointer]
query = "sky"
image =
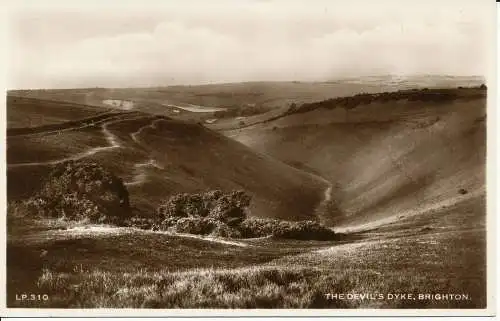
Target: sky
[{"x": 149, "y": 43}]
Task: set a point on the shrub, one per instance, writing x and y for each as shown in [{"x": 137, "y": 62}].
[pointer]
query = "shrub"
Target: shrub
[
  {"x": 204, "y": 226},
  {"x": 182, "y": 205},
  {"x": 224, "y": 214},
  {"x": 303, "y": 230},
  {"x": 223, "y": 230},
  {"x": 212, "y": 212},
  {"x": 82, "y": 190},
  {"x": 228, "y": 208},
  {"x": 258, "y": 227},
  {"x": 194, "y": 225}
]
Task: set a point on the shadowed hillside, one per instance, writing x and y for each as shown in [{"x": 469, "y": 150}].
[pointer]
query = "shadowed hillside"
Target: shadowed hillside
[{"x": 387, "y": 155}]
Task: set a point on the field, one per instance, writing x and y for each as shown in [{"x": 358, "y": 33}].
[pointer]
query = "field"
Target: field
[
  {"x": 402, "y": 183},
  {"x": 241, "y": 103}
]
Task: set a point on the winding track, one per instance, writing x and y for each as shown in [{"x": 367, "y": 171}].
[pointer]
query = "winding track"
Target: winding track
[
  {"x": 110, "y": 138},
  {"x": 104, "y": 120},
  {"x": 141, "y": 175}
]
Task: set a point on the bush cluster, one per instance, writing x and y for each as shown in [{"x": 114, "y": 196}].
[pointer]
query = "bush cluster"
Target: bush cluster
[
  {"x": 86, "y": 191},
  {"x": 425, "y": 94},
  {"x": 228, "y": 208},
  {"x": 302, "y": 230},
  {"x": 213, "y": 212},
  {"x": 82, "y": 190},
  {"x": 222, "y": 214}
]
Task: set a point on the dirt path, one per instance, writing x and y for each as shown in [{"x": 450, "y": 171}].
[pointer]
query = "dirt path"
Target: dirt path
[
  {"x": 141, "y": 175},
  {"x": 113, "y": 143},
  {"x": 151, "y": 125},
  {"x": 140, "y": 172},
  {"x": 110, "y": 138}
]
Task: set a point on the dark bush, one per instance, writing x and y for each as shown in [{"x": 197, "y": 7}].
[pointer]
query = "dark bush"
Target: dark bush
[
  {"x": 228, "y": 208},
  {"x": 223, "y": 230},
  {"x": 302, "y": 230},
  {"x": 195, "y": 225},
  {"x": 224, "y": 215},
  {"x": 204, "y": 226},
  {"x": 258, "y": 227},
  {"x": 183, "y": 205},
  {"x": 82, "y": 190},
  {"x": 437, "y": 95},
  {"x": 231, "y": 208}
]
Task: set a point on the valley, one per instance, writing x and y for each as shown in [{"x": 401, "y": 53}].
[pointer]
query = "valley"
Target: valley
[{"x": 397, "y": 180}]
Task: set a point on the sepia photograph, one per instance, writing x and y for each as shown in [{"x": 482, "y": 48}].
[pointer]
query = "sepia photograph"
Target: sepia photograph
[{"x": 321, "y": 157}]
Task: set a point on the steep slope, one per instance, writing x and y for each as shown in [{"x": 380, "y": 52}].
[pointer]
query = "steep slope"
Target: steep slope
[
  {"x": 157, "y": 157},
  {"x": 386, "y": 158}
]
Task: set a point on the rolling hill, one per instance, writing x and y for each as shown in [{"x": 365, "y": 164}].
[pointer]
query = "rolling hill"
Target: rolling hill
[
  {"x": 157, "y": 157},
  {"x": 387, "y": 156}
]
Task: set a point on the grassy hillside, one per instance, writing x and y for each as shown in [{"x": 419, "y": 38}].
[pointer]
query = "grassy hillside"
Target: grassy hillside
[
  {"x": 386, "y": 155},
  {"x": 157, "y": 157}
]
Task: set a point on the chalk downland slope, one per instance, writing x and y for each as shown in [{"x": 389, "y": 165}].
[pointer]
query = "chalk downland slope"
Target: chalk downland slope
[
  {"x": 157, "y": 157},
  {"x": 386, "y": 157}
]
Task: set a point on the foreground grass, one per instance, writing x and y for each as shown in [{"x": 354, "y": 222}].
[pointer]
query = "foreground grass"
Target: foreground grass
[
  {"x": 298, "y": 281},
  {"x": 440, "y": 254},
  {"x": 53, "y": 245}
]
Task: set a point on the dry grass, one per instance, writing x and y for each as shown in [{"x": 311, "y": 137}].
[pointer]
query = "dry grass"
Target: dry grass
[
  {"x": 255, "y": 287},
  {"x": 422, "y": 262}
]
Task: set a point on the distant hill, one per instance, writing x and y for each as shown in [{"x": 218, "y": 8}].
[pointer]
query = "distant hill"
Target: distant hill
[{"x": 252, "y": 97}]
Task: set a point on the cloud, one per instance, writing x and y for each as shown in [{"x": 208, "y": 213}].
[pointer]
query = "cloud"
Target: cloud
[{"x": 246, "y": 41}]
